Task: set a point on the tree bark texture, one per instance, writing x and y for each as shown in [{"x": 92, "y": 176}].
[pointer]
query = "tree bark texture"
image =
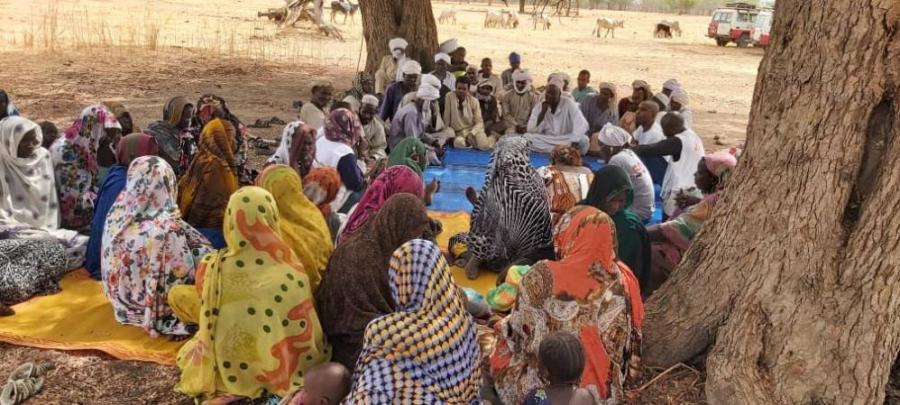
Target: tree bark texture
[
  {"x": 793, "y": 288},
  {"x": 412, "y": 20}
]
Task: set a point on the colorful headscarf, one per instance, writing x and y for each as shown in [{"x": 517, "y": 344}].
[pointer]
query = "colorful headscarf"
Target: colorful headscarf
[
  {"x": 122, "y": 115},
  {"x": 356, "y": 90},
  {"x": 74, "y": 157},
  {"x": 566, "y": 155},
  {"x": 321, "y": 186},
  {"x": 282, "y": 155},
  {"x": 394, "y": 179},
  {"x": 351, "y": 295},
  {"x": 301, "y": 225},
  {"x": 511, "y": 218},
  {"x": 397, "y": 364},
  {"x": 404, "y": 153},
  {"x": 210, "y": 107},
  {"x": 173, "y": 111},
  {"x": 720, "y": 164},
  {"x": 303, "y": 149},
  {"x": 134, "y": 146},
  {"x": 259, "y": 331},
  {"x": 148, "y": 249},
  {"x": 342, "y": 125},
  {"x": 211, "y": 179},
  {"x": 27, "y": 187},
  {"x": 169, "y": 137}
]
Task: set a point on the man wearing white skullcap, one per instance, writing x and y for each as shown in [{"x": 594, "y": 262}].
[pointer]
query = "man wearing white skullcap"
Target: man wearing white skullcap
[
  {"x": 679, "y": 102},
  {"x": 614, "y": 143},
  {"x": 557, "y": 121},
  {"x": 422, "y": 119},
  {"x": 670, "y": 86},
  {"x": 373, "y": 128},
  {"x": 457, "y": 54},
  {"x": 432, "y": 81},
  {"x": 411, "y": 71},
  {"x": 388, "y": 69},
  {"x": 442, "y": 72},
  {"x": 518, "y": 103}
]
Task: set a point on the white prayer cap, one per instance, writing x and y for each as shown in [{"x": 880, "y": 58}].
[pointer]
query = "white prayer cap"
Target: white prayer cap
[
  {"x": 662, "y": 98},
  {"x": 611, "y": 135},
  {"x": 397, "y": 43},
  {"x": 431, "y": 80},
  {"x": 609, "y": 86},
  {"x": 485, "y": 83},
  {"x": 427, "y": 92},
  {"x": 672, "y": 84},
  {"x": 369, "y": 99},
  {"x": 681, "y": 97},
  {"x": 411, "y": 67},
  {"x": 442, "y": 57},
  {"x": 449, "y": 46}
]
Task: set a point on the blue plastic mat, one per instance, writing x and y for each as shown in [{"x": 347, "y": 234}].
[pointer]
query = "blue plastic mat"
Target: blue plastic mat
[{"x": 466, "y": 168}]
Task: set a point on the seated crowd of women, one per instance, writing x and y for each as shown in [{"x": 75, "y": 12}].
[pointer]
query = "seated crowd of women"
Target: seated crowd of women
[{"x": 284, "y": 287}]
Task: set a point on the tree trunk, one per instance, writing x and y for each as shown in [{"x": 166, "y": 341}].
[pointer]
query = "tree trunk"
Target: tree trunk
[
  {"x": 793, "y": 288},
  {"x": 413, "y": 20},
  {"x": 521, "y": 6}
]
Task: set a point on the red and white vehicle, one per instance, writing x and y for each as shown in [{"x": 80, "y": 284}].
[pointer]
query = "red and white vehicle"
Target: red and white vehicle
[
  {"x": 760, "y": 32},
  {"x": 733, "y": 23}
]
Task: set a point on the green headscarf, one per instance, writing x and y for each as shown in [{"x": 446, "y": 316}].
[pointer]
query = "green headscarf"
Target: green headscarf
[
  {"x": 633, "y": 243},
  {"x": 403, "y": 155}
]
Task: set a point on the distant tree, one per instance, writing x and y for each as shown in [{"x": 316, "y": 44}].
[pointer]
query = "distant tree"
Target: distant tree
[
  {"x": 618, "y": 4},
  {"x": 412, "y": 20},
  {"x": 682, "y": 6}
]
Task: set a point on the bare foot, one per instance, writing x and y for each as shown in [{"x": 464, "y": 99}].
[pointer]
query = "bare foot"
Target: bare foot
[
  {"x": 430, "y": 190},
  {"x": 471, "y": 195},
  {"x": 472, "y": 268}
]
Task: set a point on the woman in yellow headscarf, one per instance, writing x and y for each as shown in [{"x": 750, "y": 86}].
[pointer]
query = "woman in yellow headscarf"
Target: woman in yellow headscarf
[
  {"x": 302, "y": 225},
  {"x": 211, "y": 178},
  {"x": 259, "y": 331}
]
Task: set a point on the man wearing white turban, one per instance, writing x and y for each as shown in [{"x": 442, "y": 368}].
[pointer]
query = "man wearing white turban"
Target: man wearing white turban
[
  {"x": 557, "y": 121},
  {"x": 422, "y": 119},
  {"x": 663, "y": 101},
  {"x": 388, "y": 69},
  {"x": 442, "y": 72},
  {"x": 411, "y": 71},
  {"x": 679, "y": 102},
  {"x": 373, "y": 128},
  {"x": 518, "y": 103},
  {"x": 599, "y": 109},
  {"x": 670, "y": 86},
  {"x": 614, "y": 143}
]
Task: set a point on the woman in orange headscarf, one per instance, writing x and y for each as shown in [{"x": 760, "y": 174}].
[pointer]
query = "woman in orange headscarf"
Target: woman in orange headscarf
[
  {"x": 211, "y": 178},
  {"x": 587, "y": 292}
]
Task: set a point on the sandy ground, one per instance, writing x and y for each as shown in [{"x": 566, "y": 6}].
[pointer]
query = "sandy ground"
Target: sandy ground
[{"x": 144, "y": 52}]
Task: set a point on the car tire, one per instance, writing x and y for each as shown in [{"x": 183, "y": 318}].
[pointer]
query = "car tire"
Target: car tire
[
  {"x": 743, "y": 41},
  {"x": 721, "y": 42}
]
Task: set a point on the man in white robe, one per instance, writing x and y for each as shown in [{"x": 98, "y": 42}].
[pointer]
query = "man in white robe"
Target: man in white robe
[{"x": 557, "y": 121}]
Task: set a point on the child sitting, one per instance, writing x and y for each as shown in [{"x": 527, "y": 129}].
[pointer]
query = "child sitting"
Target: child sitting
[
  {"x": 325, "y": 384},
  {"x": 561, "y": 358}
]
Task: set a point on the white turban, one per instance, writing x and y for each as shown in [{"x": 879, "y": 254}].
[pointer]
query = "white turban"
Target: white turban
[
  {"x": 411, "y": 67},
  {"x": 427, "y": 92},
  {"x": 519, "y": 75},
  {"x": 557, "y": 81},
  {"x": 562, "y": 76},
  {"x": 681, "y": 97},
  {"x": 672, "y": 84},
  {"x": 442, "y": 57},
  {"x": 431, "y": 80},
  {"x": 449, "y": 46},
  {"x": 397, "y": 43},
  {"x": 609, "y": 86},
  {"x": 369, "y": 99},
  {"x": 662, "y": 98},
  {"x": 611, "y": 135}
]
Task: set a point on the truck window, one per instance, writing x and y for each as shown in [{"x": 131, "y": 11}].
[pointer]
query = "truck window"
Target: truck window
[
  {"x": 722, "y": 17},
  {"x": 746, "y": 17}
]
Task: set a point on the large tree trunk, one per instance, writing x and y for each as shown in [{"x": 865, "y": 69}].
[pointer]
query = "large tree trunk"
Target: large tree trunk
[
  {"x": 412, "y": 20},
  {"x": 794, "y": 287}
]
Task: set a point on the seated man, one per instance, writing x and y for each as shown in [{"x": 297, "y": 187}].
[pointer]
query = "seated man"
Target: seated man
[
  {"x": 583, "y": 90},
  {"x": 313, "y": 113},
  {"x": 395, "y": 92},
  {"x": 669, "y": 87},
  {"x": 678, "y": 103},
  {"x": 614, "y": 143},
  {"x": 515, "y": 63},
  {"x": 373, "y": 128},
  {"x": 685, "y": 149},
  {"x": 490, "y": 110},
  {"x": 557, "y": 121},
  {"x": 447, "y": 80},
  {"x": 462, "y": 113},
  {"x": 420, "y": 119},
  {"x": 649, "y": 132},
  {"x": 598, "y": 109},
  {"x": 487, "y": 73},
  {"x": 518, "y": 103},
  {"x": 388, "y": 69}
]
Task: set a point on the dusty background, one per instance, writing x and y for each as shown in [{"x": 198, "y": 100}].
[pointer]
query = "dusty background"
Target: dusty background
[{"x": 57, "y": 56}]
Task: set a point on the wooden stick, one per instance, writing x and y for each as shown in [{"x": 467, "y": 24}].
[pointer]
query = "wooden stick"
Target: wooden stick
[{"x": 660, "y": 375}]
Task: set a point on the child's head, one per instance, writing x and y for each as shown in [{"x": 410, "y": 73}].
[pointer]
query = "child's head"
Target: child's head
[
  {"x": 562, "y": 358},
  {"x": 48, "y": 129},
  {"x": 325, "y": 384}
]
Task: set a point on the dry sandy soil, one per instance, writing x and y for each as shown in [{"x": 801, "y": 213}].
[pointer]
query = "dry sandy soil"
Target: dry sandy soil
[{"x": 144, "y": 52}]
